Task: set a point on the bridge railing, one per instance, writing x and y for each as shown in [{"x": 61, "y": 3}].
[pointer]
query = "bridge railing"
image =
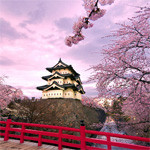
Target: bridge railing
[{"x": 5, "y": 132}]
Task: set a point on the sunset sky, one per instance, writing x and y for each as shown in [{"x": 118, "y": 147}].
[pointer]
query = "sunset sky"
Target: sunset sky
[{"x": 32, "y": 34}]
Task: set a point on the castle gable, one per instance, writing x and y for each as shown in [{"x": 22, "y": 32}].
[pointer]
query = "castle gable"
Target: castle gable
[
  {"x": 60, "y": 64},
  {"x": 54, "y": 85},
  {"x": 55, "y": 76}
]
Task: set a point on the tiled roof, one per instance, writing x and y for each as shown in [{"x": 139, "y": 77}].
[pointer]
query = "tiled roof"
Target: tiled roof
[
  {"x": 63, "y": 75},
  {"x": 47, "y": 86},
  {"x": 60, "y": 61},
  {"x": 80, "y": 88},
  {"x": 46, "y": 77},
  {"x": 64, "y": 66},
  {"x": 65, "y": 86},
  {"x": 42, "y": 87}
]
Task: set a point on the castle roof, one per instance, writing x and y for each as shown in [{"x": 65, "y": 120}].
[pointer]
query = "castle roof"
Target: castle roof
[
  {"x": 80, "y": 89},
  {"x": 55, "y": 85},
  {"x": 62, "y": 65},
  {"x": 57, "y": 75}
]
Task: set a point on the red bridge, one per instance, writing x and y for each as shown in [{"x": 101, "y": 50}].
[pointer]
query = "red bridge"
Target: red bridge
[{"x": 9, "y": 129}]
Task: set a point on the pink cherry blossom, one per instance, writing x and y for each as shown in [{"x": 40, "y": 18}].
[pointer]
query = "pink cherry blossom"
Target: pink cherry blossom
[
  {"x": 78, "y": 26},
  {"x": 90, "y": 25},
  {"x": 68, "y": 41},
  {"x": 97, "y": 14},
  {"x": 74, "y": 39},
  {"x": 91, "y": 102},
  {"x": 81, "y": 23},
  {"x": 80, "y": 37},
  {"x": 89, "y": 5},
  {"x": 8, "y": 93},
  {"x": 105, "y": 2}
]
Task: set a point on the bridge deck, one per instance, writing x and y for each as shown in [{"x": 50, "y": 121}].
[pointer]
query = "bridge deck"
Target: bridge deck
[{"x": 15, "y": 145}]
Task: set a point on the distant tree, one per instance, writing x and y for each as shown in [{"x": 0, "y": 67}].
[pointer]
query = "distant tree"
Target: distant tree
[
  {"x": 115, "y": 111},
  {"x": 93, "y": 13},
  {"x": 125, "y": 69},
  {"x": 7, "y": 93},
  {"x": 90, "y": 101}
]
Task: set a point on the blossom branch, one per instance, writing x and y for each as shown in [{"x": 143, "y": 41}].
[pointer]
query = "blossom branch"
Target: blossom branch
[{"x": 94, "y": 13}]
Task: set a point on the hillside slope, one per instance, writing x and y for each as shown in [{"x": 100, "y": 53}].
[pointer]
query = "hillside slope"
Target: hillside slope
[
  {"x": 60, "y": 112},
  {"x": 69, "y": 112}
]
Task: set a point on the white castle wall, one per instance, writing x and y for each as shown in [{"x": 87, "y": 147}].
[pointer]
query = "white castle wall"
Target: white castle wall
[
  {"x": 52, "y": 94},
  {"x": 78, "y": 95},
  {"x": 69, "y": 93}
]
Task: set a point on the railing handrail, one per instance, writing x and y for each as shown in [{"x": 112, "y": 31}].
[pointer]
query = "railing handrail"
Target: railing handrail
[
  {"x": 82, "y": 138},
  {"x": 118, "y": 135},
  {"x": 42, "y": 126}
]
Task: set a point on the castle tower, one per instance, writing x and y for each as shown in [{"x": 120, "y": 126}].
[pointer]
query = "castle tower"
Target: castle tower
[{"x": 64, "y": 82}]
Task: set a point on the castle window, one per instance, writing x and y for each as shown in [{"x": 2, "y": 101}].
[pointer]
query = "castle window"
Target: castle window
[
  {"x": 57, "y": 93},
  {"x": 54, "y": 93},
  {"x": 68, "y": 93},
  {"x": 60, "y": 93}
]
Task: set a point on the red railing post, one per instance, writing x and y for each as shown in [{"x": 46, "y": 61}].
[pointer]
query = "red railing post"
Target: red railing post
[
  {"x": 6, "y": 137},
  {"x": 22, "y": 134},
  {"x": 82, "y": 135},
  {"x": 60, "y": 140},
  {"x": 40, "y": 140},
  {"x": 108, "y": 145}
]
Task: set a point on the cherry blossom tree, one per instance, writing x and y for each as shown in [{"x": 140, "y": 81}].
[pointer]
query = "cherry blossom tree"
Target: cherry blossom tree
[
  {"x": 91, "y": 102},
  {"x": 93, "y": 13},
  {"x": 8, "y": 93},
  {"x": 125, "y": 69}
]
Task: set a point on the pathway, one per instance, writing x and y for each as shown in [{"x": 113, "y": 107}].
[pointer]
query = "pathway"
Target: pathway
[{"x": 15, "y": 145}]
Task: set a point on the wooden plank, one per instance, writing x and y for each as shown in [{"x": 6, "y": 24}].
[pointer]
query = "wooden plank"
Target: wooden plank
[{"x": 15, "y": 145}]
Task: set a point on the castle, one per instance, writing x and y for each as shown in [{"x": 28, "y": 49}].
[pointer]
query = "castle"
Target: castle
[{"x": 64, "y": 82}]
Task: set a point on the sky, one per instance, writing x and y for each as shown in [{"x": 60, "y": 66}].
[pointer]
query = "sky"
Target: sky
[{"x": 32, "y": 34}]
